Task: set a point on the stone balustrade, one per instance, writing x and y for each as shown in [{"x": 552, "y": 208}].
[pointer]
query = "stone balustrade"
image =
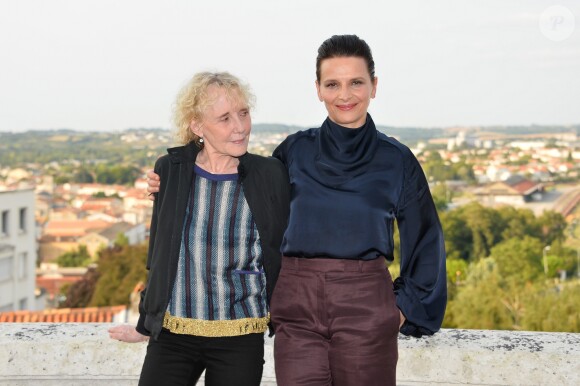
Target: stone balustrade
[{"x": 82, "y": 354}]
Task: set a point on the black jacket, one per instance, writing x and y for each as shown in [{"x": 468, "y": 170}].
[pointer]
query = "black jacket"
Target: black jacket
[{"x": 267, "y": 191}]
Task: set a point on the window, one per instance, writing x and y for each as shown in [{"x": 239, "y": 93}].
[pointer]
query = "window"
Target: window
[
  {"x": 23, "y": 303},
  {"x": 23, "y": 265},
  {"x": 6, "y": 266},
  {"x": 4, "y": 231},
  {"x": 22, "y": 220}
]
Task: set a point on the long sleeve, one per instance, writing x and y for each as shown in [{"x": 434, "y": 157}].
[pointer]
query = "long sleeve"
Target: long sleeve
[
  {"x": 152, "y": 233},
  {"x": 421, "y": 288}
]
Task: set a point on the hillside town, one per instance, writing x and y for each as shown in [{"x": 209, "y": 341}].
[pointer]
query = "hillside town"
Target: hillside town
[{"x": 44, "y": 219}]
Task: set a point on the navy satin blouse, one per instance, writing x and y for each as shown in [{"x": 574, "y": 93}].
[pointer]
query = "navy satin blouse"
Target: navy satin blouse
[{"x": 348, "y": 187}]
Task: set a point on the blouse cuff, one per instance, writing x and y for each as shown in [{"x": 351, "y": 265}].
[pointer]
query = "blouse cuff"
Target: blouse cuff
[
  {"x": 406, "y": 305},
  {"x": 410, "y": 329}
]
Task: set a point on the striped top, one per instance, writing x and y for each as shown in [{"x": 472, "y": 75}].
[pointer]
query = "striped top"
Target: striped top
[{"x": 220, "y": 287}]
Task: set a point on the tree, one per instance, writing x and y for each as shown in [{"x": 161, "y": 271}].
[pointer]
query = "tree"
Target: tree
[
  {"x": 486, "y": 227},
  {"x": 519, "y": 223},
  {"x": 478, "y": 302},
  {"x": 83, "y": 175},
  {"x": 458, "y": 236},
  {"x": 80, "y": 293},
  {"x": 75, "y": 258},
  {"x": 561, "y": 258},
  {"x": 121, "y": 240},
  {"x": 464, "y": 172},
  {"x": 116, "y": 174},
  {"x": 120, "y": 269},
  {"x": 457, "y": 271},
  {"x": 442, "y": 196},
  {"x": 553, "y": 225},
  {"x": 553, "y": 309},
  {"x": 519, "y": 259}
]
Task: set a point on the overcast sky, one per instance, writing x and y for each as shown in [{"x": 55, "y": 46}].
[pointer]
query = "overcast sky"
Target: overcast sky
[{"x": 117, "y": 64}]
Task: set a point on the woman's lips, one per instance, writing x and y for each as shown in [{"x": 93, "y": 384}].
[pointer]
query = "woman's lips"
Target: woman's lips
[{"x": 346, "y": 107}]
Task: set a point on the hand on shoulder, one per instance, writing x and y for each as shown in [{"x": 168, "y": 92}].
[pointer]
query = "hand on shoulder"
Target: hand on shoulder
[{"x": 152, "y": 184}]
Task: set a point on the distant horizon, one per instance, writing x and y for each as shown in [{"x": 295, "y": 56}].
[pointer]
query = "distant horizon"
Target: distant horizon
[{"x": 570, "y": 126}]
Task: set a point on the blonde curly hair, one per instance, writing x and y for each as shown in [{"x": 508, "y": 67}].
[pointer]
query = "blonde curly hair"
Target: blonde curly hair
[{"x": 193, "y": 99}]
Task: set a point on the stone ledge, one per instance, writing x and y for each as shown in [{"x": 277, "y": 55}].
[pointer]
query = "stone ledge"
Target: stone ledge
[{"x": 82, "y": 354}]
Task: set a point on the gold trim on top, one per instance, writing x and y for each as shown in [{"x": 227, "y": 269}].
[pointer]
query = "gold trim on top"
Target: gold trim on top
[{"x": 215, "y": 328}]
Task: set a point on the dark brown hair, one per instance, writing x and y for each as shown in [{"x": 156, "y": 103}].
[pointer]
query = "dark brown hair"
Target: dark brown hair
[{"x": 344, "y": 46}]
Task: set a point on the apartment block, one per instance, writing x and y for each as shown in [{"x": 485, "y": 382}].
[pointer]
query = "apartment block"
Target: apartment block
[{"x": 17, "y": 250}]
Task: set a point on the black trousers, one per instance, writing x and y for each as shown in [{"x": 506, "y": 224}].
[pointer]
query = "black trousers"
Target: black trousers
[{"x": 176, "y": 359}]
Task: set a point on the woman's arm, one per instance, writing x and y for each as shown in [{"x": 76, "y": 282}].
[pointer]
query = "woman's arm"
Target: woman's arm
[{"x": 421, "y": 288}]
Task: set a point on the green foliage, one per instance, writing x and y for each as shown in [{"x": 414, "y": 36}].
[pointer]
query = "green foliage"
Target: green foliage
[
  {"x": 76, "y": 258},
  {"x": 442, "y": 196},
  {"x": 61, "y": 180},
  {"x": 44, "y": 147},
  {"x": 553, "y": 309},
  {"x": 473, "y": 230},
  {"x": 83, "y": 175},
  {"x": 552, "y": 226},
  {"x": 478, "y": 302},
  {"x": 116, "y": 174},
  {"x": 519, "y": 259},
  {"x": 80, "y": 293},
  {"x": 120, "y": 269},
  {"x": 458, "y": 236},
  {"x": 561, "y": 258},
  {"x": 121, "y": 240},
  {"x": 504, "y": 286},
  {"x": 457, "y": 270},
  {"x": 439, "y": 170},
  {"x": 519, "y": 223},
  {"x": 485, "y": 225}
]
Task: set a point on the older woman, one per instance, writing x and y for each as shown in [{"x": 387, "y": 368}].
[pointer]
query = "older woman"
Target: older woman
[
  {"x": 214, "y": 255},
  {"x": 336, "y": 311}
]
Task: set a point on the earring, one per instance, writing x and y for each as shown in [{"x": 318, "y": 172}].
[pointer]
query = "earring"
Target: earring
[{"x": 200, "y": 140}]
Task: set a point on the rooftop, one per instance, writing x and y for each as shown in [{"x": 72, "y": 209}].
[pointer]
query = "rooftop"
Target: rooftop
[{"x": 64, "y": 315}]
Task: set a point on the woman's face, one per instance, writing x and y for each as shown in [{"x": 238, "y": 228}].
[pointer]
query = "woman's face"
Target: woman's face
[
  {"x": 226, "y": 124},
  {"x": 346, "y": 89}
]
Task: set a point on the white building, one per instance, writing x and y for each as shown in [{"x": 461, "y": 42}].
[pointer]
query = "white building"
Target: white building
[{"x": 17, "y": 250}]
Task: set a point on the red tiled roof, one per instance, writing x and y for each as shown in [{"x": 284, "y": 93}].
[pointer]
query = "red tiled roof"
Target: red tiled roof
[
  {"x": 63, "y": 315},
  {"x": 524, "y": 186},
  {"x": 52, "y": 285}
]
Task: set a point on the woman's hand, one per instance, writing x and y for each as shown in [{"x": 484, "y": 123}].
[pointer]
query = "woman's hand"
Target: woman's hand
[
  {"x": 126, "y": 333},
  {"x": 152, "y": 184}
]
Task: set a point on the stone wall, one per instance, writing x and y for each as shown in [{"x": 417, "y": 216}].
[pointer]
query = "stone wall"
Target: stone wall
[{"x": 82, "y": 355}]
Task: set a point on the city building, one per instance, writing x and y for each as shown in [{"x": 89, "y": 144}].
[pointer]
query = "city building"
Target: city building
[
  {"x": 515, "y": 191},
  {"x": 17, "y": 250}
]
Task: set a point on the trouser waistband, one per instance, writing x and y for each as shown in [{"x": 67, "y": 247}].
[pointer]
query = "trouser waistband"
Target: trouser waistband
[{"x": 322, "y": 264}]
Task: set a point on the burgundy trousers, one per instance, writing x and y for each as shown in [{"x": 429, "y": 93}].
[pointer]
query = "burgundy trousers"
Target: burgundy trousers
[{"x": 336, "y": 323}]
